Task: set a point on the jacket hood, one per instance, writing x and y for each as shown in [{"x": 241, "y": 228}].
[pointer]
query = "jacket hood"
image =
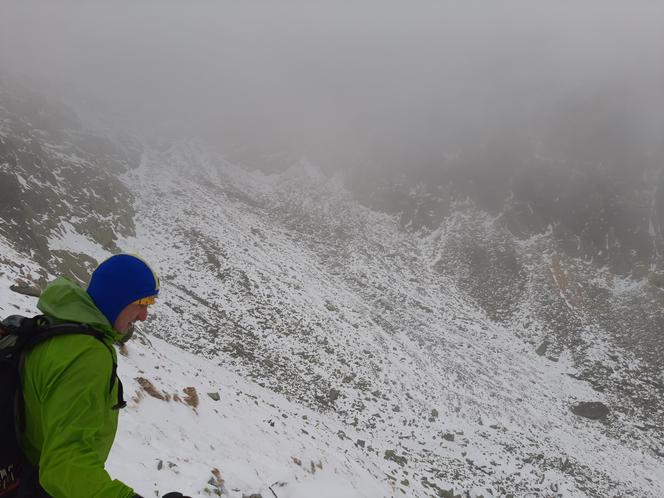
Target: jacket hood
[{"x": 64, "y": 301}]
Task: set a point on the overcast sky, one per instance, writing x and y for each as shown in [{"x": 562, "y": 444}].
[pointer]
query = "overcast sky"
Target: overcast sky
[{"x": 346, "y": 81}]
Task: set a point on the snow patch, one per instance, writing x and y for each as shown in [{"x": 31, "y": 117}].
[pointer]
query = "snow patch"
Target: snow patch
[{"x": 67, "y": 238}]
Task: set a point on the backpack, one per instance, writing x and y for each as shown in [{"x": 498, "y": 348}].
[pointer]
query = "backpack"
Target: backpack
[{"x": 18, "y": 335}]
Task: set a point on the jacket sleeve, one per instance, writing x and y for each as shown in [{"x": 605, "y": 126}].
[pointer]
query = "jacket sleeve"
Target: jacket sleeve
[{"x": 74, "y": 411}]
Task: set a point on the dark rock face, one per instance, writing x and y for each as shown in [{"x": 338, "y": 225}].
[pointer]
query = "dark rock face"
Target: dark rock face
[
  {"x": 595, "y": 214},
  {"x": 486, "y": 264},
  {"x": 601, "y": 196},
  {"x": 25, "y": 290},
  {"x": 593, "y": 410},
  {"x": 541, "y": 350}
]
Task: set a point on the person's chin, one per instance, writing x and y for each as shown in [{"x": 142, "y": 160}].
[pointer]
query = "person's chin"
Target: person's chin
[{"x": 126, "y": 334}]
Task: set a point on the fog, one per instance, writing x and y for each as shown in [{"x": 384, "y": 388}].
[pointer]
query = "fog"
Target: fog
[{"x": 393, "y": 85}]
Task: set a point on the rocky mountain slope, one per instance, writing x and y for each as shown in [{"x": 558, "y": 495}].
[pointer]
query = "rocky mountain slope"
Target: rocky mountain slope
[
  {"x": 57, "y": 178},
  {"x": 441, "y": 361},
  {"x": 555, "y": 235}
]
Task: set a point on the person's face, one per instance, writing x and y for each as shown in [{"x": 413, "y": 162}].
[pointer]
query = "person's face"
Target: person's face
[{"x": 129, "y": 315}]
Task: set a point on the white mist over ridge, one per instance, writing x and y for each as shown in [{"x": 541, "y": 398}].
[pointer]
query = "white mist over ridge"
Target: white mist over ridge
[{"x": 346, "y": 82}]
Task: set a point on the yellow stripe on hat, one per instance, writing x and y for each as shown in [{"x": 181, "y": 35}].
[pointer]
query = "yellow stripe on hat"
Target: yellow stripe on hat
[{"x": 146, "y": 301}]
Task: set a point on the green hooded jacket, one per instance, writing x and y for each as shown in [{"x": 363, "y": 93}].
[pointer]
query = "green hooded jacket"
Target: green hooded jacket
[{"x": 70, "y": 422}]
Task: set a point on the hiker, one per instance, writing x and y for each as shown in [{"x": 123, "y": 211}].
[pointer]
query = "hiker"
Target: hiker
[{"x": 70, "y": 388}]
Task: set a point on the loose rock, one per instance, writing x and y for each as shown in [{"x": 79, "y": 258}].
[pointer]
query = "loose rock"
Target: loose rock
[{"x": 593, "y": 410}]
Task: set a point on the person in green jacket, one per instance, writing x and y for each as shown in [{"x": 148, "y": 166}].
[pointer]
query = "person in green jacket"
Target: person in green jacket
[{"x": 70, "y": 385}]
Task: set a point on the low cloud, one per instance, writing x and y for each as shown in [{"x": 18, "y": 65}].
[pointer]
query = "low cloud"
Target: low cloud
[{"x": 393, "y": 84}]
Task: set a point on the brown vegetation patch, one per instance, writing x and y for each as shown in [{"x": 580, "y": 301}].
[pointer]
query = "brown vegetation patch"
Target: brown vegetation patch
[
  {"x": 191, "y": 397},
  {"x": 149, "y": 388},
  {"x": 218, "y": 481}
]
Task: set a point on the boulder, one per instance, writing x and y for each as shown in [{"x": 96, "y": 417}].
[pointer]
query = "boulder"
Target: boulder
[{"x": 593, "y": 410}]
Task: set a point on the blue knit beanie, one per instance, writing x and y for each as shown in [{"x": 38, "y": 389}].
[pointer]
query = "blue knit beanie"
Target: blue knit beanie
[{"x": 119, "y": 281}]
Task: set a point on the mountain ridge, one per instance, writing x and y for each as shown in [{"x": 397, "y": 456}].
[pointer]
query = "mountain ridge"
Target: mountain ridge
[{"x": 455, "y": 354}]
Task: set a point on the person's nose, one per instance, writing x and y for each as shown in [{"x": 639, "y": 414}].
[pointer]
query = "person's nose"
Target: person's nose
[{"x": 143, "y": 315}]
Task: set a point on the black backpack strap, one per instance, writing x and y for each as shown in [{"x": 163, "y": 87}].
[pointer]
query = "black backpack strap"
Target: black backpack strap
[
  {"x": 121, "y": 401},
  {"x": 62, "y": 329},
  {"x": 114, "y": 377}
]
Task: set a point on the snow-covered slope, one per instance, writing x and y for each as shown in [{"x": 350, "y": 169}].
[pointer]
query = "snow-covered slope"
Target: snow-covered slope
[
  {"x": 175, "y": 435},
  {"x": 399, "y": 363},
  {"x": 288, "y": 282},
  {"x": 253, "y": 438},
  {"x": 194, "y": 426}
]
